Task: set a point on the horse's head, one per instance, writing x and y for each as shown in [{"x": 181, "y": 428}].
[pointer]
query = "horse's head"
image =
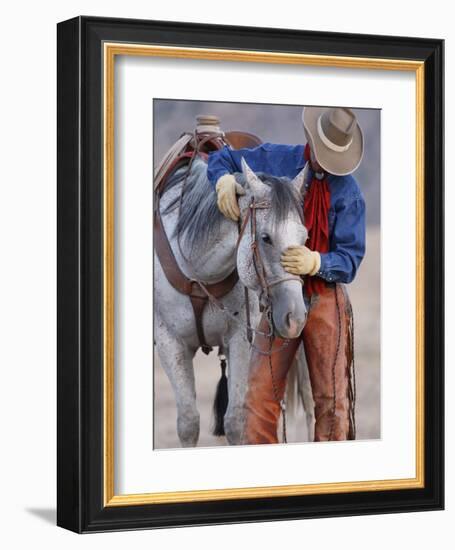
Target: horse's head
[{"x": 271, "y": 222}]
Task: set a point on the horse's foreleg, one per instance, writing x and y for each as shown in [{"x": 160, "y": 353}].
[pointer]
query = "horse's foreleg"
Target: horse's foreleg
[
  {"x": 177, "y": 361},
  {"x": 238, "y": 354}
]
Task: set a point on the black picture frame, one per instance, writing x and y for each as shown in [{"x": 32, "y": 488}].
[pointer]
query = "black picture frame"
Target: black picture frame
[{"x": 80, "y": 474}]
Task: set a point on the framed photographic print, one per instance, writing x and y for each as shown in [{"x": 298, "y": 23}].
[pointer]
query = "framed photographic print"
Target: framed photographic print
[{"x": 250, "y": 274}]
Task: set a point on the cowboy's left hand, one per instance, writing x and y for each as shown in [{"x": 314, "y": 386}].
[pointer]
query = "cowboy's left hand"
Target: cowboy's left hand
[{"x": 300, "y": 260}]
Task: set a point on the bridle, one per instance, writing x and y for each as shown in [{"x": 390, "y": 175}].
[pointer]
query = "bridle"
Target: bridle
[{"x": 258, "y": 262}]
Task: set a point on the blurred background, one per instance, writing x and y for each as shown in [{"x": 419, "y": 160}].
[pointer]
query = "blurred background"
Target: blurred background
[{"x": 282, "y": 124}]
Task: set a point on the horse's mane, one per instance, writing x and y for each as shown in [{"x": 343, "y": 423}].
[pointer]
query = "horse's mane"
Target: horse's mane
[{"x": 199, "y": 214}]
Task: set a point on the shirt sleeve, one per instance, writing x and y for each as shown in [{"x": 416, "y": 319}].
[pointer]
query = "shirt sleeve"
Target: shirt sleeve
[
  {"x": 274, "y": 159},
  {"x": 347, "y": 248},
  {"x": 227, "y": 161}
]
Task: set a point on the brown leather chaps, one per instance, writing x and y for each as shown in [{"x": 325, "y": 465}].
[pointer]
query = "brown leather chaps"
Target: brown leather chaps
[{"x": 327, "y": 329}]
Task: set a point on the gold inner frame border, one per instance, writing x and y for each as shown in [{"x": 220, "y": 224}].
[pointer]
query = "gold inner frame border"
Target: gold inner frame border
[{"x": 110, "y": 51}]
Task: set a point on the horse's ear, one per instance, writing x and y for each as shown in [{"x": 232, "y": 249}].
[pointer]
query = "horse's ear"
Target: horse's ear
[
  {"x": 300, "y": 179},
  {"x": 252, "y": 182}
]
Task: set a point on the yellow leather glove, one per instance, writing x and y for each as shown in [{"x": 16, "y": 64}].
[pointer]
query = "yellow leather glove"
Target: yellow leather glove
[
  {"x": 227, "y": 189},
  {"x": 300, "y": 260}
]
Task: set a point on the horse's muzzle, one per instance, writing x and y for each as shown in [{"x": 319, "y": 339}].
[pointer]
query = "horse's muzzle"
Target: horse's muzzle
[{"x": 290, "y": 321}]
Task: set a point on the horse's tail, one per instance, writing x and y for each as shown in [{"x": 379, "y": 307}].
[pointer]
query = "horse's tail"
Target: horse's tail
[{"x": 221, "y": 400}]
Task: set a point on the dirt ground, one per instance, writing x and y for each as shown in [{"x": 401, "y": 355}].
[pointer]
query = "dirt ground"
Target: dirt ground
[{"x": 365, "y": 297}]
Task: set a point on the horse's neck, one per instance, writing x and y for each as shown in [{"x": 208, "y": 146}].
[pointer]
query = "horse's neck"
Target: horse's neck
[{"x": 211, "y": 263}]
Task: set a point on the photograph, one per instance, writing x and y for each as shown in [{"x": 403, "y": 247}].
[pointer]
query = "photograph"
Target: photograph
[
  {"x": 250, "y": 278},
  {"x": 267, "y": 279}
]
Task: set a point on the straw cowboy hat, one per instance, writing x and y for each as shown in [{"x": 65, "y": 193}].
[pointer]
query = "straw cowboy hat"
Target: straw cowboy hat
[{"x": 335, "y": 138}]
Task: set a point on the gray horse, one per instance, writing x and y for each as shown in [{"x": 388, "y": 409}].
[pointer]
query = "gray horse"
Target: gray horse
[{"x": 204, "y": 244}]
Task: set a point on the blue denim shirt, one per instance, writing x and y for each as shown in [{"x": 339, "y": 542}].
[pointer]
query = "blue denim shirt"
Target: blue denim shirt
[{"x": 347, "y": 205}]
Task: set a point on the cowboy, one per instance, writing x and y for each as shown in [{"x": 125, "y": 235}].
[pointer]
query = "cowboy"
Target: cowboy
[{"x": 334, "y": 213}]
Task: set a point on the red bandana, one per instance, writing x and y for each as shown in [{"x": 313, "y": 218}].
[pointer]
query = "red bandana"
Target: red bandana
[{"x": 316, "y": 209}]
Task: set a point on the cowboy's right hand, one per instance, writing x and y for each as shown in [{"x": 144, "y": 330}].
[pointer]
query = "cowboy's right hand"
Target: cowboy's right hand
[
  {"x": 227, "y": 189},
  {"x": 300, "y": 260}
]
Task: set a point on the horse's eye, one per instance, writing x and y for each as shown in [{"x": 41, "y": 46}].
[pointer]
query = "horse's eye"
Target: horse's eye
[{"x": 266, "y": 238}]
